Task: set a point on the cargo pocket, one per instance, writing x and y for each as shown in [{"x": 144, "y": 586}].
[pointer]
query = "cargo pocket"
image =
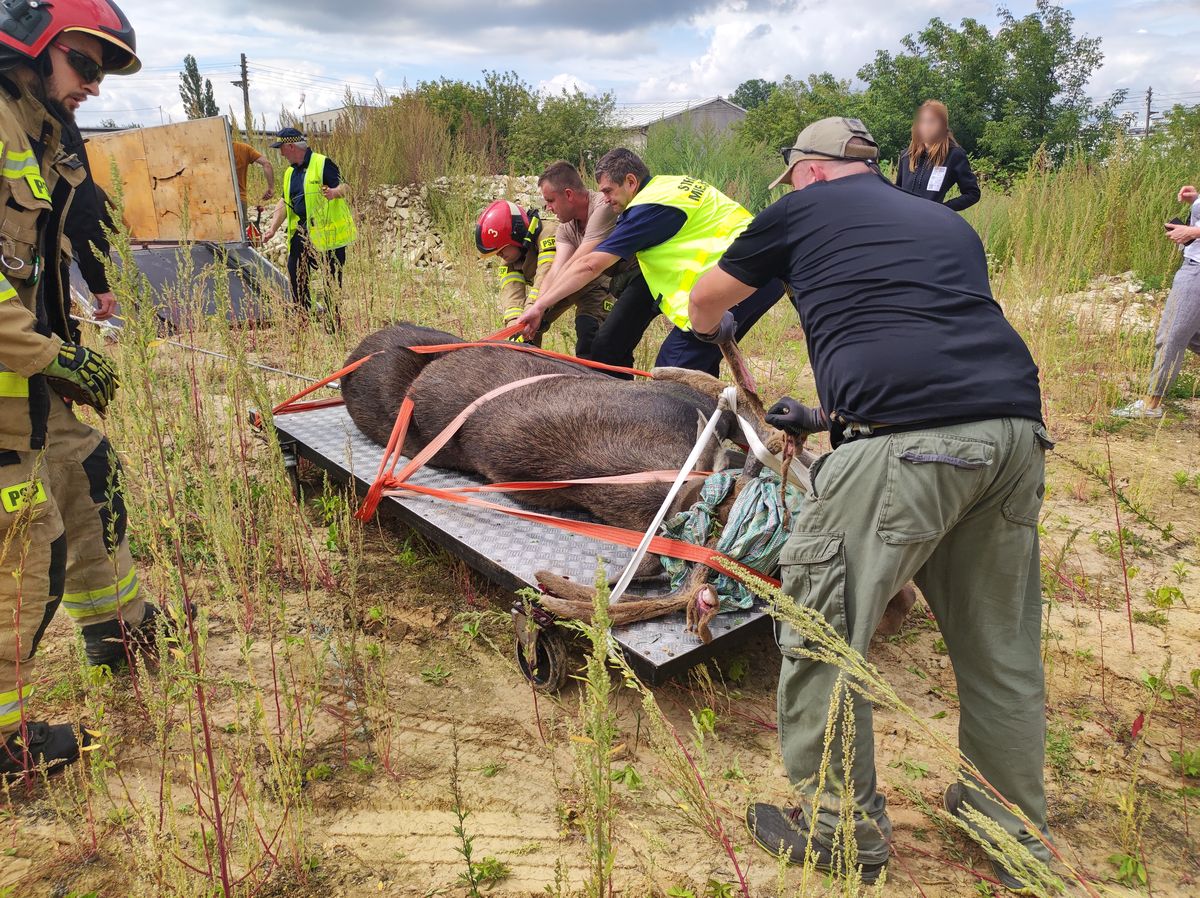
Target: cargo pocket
[
  {"x": 930, "y": 478},
  {"x": 1024, "y": 504},
  {"x": 20, "y": 213},
  {"x": 813, "y": 567}
]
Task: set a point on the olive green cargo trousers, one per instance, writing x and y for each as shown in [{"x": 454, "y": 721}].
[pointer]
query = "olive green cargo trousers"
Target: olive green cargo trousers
[{"x": 954, "y": 508}]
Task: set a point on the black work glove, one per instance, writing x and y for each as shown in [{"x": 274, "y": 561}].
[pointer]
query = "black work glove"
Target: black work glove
[
  {"x": 726, "y": 331},
  {"x": 82, "y": 375},
  {"x": 796, "y": 418}
]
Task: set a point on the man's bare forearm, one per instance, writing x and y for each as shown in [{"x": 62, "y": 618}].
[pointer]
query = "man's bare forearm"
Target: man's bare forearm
[
  {"x": 580, "y": 272},
  {"x": 714, "y": 294}
]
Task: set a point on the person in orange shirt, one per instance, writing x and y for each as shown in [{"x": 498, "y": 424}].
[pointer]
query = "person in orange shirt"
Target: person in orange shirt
[{"x": 244, "y": 156}]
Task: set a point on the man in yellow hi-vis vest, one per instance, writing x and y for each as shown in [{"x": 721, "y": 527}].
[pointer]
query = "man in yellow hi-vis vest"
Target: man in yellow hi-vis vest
[
  {"x": 319, "y": 223},
  {"x": 677, "y": 228}
]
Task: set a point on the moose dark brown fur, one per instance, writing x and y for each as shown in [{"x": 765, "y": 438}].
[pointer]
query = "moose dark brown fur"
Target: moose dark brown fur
[{"x": 579, "y": 424}]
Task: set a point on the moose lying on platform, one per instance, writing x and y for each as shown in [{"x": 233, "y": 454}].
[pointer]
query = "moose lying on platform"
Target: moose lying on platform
[{"x": 578, "y": 423}]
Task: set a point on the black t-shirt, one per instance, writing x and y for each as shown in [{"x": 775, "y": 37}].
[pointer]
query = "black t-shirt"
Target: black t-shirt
[
  {"x": 330, "y": 177},
  {"x": 893, "y": 295}
]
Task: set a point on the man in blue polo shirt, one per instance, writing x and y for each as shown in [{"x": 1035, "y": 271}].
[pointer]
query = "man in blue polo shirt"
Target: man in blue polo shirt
[
  {"x": 677, "y": 227},
  {"x": 937, "y": 476}
]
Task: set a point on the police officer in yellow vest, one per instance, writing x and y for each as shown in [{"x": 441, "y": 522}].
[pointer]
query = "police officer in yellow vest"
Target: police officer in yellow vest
[
  {"x": 319, "y": 223},
  {"x": 62, "y": 510},
  {"x": 677, "y": 228}
]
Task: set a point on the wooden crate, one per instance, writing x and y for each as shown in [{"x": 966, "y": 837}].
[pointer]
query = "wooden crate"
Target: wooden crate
[{"x": 167, "y": 169}]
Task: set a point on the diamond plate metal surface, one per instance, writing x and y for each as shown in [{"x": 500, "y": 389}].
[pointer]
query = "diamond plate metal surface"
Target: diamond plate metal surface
[{"x": 505, "y": 549}]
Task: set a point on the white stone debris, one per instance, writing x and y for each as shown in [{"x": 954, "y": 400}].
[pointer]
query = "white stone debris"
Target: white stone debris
[{"x": 407, "y": 223}]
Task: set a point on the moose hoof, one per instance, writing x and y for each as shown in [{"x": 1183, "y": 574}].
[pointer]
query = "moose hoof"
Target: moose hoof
[
  {"x": 896, "y": 612},
  {"x": 544, "y": 662}
]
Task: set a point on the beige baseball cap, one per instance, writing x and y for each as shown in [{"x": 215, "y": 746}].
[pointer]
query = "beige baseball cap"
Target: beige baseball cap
[{"x": 829, "y": 138}]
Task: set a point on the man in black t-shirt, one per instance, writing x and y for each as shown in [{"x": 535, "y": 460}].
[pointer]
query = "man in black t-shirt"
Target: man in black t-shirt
[{"x": 937, "y": 475}]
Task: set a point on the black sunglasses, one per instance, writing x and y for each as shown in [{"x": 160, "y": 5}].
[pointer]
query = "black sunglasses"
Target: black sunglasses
[
  {"x": 786, "y": 153},
  {"x": 89, "y": 70}
]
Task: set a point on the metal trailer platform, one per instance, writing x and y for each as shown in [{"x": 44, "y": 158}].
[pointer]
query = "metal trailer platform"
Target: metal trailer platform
[
  {"x": 508, "y": 550},
  {"x": 247, "y": 274}
]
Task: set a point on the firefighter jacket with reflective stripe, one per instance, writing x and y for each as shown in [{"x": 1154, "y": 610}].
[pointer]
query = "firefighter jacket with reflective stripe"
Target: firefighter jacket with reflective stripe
[
  {"x": 520, "y": 283},
  {"x": 713, "y": 221},
  {"x": 329, "y": 222},
  {"x": 29, "y": 147}
]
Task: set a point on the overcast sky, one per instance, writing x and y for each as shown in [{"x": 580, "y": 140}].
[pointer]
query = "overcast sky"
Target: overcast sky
[{"x": 303, "y": 54}]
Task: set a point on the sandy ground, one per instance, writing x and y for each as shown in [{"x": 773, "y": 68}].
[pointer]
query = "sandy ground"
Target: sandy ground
[{"x": 387, "y": 827}]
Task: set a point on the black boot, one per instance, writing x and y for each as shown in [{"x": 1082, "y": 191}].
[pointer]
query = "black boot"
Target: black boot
[
  {"x": 783, "y": 832},
  {"x": 45, "y": 746},
  {"x": 106, "y": 643}
]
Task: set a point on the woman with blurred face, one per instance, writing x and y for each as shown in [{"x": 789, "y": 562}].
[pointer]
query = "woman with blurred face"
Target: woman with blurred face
[{"x": 934, "y": 162}]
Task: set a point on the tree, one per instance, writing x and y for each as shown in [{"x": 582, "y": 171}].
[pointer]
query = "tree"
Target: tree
[
  {"x": 567, "y": 125},
  {"x": 1009, "y": 93},
  {"x": 1046, "y": 71},
  {"x": 495, "y": 103},
  {"x": 753, "y": 93},
  {"x": 196, "y": 92},
  {"x": 962, "y": 68},
  {"x": 794, "y": 104},
  {"x": 1180, "y": 128}
]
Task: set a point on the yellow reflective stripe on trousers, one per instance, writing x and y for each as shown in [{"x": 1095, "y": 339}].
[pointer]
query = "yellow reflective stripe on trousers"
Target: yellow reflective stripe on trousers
[
  {"x": 10, "y": 704},
  {"x": 105, "y": 600},
  {"x": 13, "y": 386}
]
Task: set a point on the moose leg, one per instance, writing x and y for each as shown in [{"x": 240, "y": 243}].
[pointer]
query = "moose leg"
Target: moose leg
[{"x": 896, "y": 611}]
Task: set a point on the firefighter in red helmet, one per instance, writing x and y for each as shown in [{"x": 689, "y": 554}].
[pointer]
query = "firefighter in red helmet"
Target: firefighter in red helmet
[
  {"x": 526, "y": 245},
  {"x": 62, "y": 511}
]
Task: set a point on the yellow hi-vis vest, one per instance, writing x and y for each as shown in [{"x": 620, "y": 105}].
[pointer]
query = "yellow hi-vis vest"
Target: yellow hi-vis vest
[
  {"x": 329, "y": 222},
  {"x": 713, "y": 221}
]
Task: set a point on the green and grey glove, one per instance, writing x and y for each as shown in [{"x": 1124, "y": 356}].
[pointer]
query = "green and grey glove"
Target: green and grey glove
[{"x": 82, "y": 375}]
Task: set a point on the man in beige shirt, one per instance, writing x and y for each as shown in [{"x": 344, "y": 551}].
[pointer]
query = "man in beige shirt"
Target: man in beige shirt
[{"x": 585, "y": 219}]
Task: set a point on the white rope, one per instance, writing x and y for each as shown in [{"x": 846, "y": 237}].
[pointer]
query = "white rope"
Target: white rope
[{"x": 705, "y": 435}]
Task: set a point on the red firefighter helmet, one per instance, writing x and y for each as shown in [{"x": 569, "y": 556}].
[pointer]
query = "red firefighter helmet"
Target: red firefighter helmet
[
  {"x": 28, "y": 26},
  {"x": 504, "y": 224}
]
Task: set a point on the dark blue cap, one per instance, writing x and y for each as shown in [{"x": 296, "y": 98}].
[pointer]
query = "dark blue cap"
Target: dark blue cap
[{"x": 287, "y": 135}]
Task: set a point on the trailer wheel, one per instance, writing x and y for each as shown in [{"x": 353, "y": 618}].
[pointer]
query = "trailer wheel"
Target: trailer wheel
[{"x": 548, "y": 670}]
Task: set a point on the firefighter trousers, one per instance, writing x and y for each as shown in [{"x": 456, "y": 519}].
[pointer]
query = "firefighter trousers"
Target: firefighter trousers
[{"x": 62, "y": 541}]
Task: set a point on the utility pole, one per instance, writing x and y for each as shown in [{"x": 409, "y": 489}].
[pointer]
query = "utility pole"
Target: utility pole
[
  {"x": 1149, "y": 98},
  {"x": 244, "y": 84}
]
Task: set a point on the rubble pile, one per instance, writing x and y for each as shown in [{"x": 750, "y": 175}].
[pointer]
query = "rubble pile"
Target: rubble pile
[
  {"x": 400, "y": 222},
  {"x": 1118, "y": 302}
]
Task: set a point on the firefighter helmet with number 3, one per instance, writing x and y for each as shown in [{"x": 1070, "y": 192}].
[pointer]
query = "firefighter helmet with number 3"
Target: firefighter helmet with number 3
[
  {"x": 504, "y": 224},
  {"x": 27, "y": 28}
]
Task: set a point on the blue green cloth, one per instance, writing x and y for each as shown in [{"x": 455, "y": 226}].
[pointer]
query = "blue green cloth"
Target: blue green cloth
[{"x": 753, "y": 535}]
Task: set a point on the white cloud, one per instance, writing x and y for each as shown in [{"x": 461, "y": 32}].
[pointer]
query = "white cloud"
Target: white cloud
[
  {"x": 569, "y": 83},
  {"x": 838, "y": 37},
  {"x": 672, "y": 53}
]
